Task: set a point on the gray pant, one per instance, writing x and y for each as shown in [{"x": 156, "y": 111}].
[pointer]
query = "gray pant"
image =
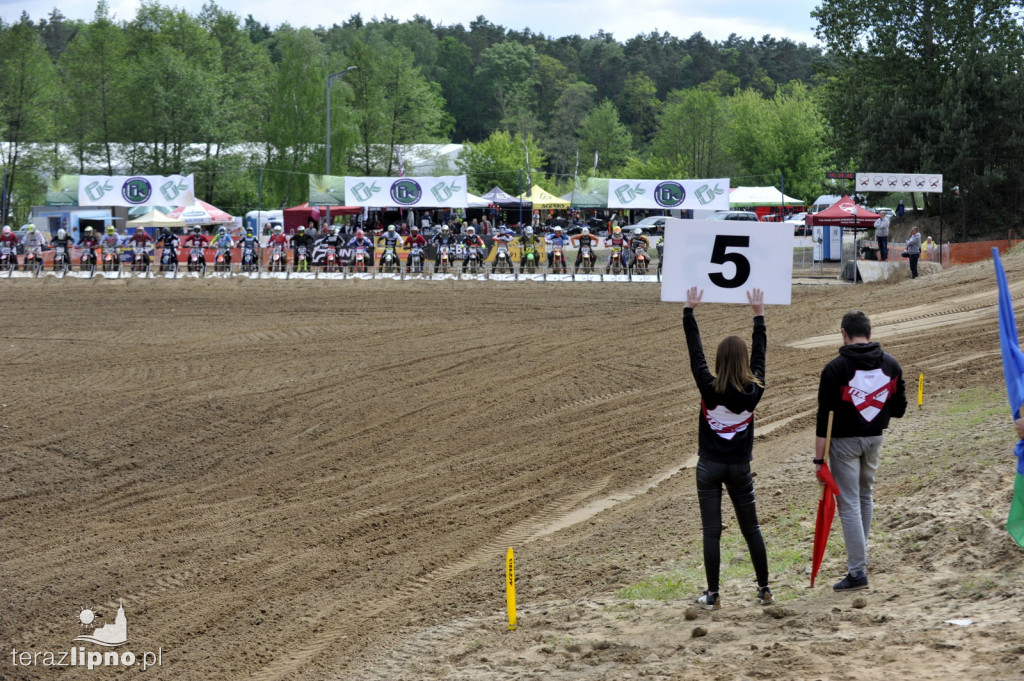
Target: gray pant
[{"x": 854, "y": 461}]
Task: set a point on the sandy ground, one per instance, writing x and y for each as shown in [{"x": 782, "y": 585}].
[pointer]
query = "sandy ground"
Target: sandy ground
[{"x": 319, "y": 480}]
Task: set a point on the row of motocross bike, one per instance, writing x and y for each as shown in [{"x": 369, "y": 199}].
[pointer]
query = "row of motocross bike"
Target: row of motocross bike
[{"x": 472, "y": 261}]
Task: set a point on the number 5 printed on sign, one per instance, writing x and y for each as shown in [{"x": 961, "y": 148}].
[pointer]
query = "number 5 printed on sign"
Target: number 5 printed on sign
[{"x": 726, "y": 258}]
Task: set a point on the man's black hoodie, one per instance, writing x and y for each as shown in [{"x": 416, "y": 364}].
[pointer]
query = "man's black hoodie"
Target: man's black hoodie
[{"x": 864, "y": 387}]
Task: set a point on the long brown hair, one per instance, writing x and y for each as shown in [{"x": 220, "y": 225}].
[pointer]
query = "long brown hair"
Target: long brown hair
[{"x": 732, "y": 366}]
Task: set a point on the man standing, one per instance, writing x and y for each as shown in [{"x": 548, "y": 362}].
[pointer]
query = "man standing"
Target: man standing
[
  {"x": 914, "y": 250},
  {"x": 863, "y": 387},
  {"x": 882, "y": 235}
]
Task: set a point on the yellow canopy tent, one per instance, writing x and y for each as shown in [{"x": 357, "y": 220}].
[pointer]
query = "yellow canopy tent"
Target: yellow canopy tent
[{"x": 543, "y": 200}]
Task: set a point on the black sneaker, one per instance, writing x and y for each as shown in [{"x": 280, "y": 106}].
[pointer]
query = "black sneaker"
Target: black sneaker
[
  {"x": 852, "y": 583},
  {"x": 765, "y": 596},
  {"x": 709, "y": 601}
]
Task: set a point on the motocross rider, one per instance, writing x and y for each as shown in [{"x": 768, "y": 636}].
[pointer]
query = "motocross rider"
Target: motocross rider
[
  {"x": 168, "y": 241},
  {"x": 392, "y": 239},
  {"x": 300, "y": 238},
  {"x": 31, "y": 241},
  {"x": 638, "y": 240},
  {"x": 445, "y": 238},
  {"x": 197, "y": 240},
  {"x": 414, "y": 240},
  {"x": 88, "y": 244},
  {"x": 616, "y": 240},
  {"x": 143, "y": 240},
  {"x": 112, "y": 240},
  {"x": 9, "y": 239},
  {"x": 530, "y": 239},
  {"x": 224, "y": 240},
  {"x": 278, "y": 239},
  {"x": 471, "y": 241},
  {"x": 63, "y": 243},
  {"x": 584, "y": 238},
  {"x": 557, "y": 238},
  {"x": 250, "y": 242}
]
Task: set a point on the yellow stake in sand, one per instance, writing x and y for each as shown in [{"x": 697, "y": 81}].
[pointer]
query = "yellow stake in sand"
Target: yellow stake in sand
[
  {"x": 920, "y": 390},
  {"x": 510, "y": 588}
]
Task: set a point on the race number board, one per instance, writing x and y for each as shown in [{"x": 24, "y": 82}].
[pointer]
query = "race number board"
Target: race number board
[{"x": 727, "y": 258}]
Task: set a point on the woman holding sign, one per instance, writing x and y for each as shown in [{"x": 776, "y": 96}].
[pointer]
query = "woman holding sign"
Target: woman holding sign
[{"x": 726, "y": 439}]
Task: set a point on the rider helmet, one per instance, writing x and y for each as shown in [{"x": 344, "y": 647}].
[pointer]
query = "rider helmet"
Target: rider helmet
[
  {"x": 334, "y": 230},
  {"x": 638, "y": 232},
  {"x": 31, "y": 228},
  {"x": 278, "y": 229},
  {"x": 359, "y": 234},
  {"x": 110, "y": 229},
  {"x": 222, "y": 230},
  {"x": 248, "y": 232},
  {"x": 585, "y": 231},
  {"x": 165, "y": 232},
  {"x": 88, "y": 230},
  {"x": 470, "y": 230},
  {"x": 617, "y": 230},
  {"x": 558, "y": 230},
  {"x": 414, "y": 229},
  {"x": 7, "y": 229},
  {"x": 62, "y": 233},
  {"x": 391, "y": 228},
  {"x": 528, "y": 231},
  {"x": 444, "y": 228},
  {"x": 195, "y": 230},
  {"x": 302, "y": 228}
]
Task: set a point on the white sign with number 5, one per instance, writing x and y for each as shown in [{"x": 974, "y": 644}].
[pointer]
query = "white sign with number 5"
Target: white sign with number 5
[{"x": 727, "y": 258}]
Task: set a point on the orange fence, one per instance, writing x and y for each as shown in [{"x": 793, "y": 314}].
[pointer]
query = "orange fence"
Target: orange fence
[{"x": 974, "y": 251}]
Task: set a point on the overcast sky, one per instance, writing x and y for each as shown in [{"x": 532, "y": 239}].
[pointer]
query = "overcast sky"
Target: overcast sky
[{"x": 716, "y": 19}]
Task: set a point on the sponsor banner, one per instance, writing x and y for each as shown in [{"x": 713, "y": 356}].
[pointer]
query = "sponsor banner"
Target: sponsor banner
[
  {"x": 446, "y": 191},
  {"x": 727, "y": 258},
  {"x": 669, "y": 194},
  {"x": 899, "y": 182},
  {"x": 326, "y": 190},
  {"x": 136, "y": 190}
]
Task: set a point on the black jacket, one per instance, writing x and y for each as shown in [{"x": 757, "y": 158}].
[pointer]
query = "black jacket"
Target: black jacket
[
  {"x": 863, "y": 386},
  {"x": 726, "y": 424}
]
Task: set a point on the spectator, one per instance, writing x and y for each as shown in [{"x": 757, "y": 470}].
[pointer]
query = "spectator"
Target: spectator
[
  {"x": 882, "y": 235},
  {"x": 913, "y": 251}
]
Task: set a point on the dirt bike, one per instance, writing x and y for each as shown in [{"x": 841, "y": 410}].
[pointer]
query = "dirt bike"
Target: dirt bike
[
  {"x": 615, "y": 262},
  {"x": 415, "y": 262},
  {"x": 301, "y": 259},
  {"x": 503, "y": 260},
  {"x": 34, "y": 259},
  {"x": 557, "y": 260},
  {"x": 587, "y": 259},
  {"x": 641, "y": 261},
  {"x": 529, "y": 262},
  {"x": 111, "y": 259},
  {"x": 8, "y": 258},
  {"x": 88, "y": 259},
  {"x": 61, "y": 259},
  {"x": 278, "y": 259},
  {"x": 140, "y": 259},
  {"x": 197, "y": 260},
  {"x": 222, "y": 260},
  {"x": 444, "y": 258},
  {"x": 330, "y": 260},
  {"x": 359, "y": 259},
  {"x": 248, "y": 259},
  {"x": 389, "y": 260},
  {"x": 169, "y": 260},
  {"x": 473, "y": 260}
]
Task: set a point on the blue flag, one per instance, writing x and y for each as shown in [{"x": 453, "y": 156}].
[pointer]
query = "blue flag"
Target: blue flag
[{"x": 1013, "y": 371}]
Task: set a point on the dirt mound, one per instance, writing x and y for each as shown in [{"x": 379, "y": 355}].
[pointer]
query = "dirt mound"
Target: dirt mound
[{"x": 318, "y": 480}]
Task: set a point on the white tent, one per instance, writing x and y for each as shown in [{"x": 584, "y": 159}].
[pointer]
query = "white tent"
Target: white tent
[
  {"x": 750, "y": 197},
  {"x": 155, "y": 218}
]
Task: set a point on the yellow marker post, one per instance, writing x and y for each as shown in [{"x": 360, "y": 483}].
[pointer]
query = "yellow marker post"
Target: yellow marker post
[
  {"x": 920, "y": 391},
  {"x": 510, "y": 588}
]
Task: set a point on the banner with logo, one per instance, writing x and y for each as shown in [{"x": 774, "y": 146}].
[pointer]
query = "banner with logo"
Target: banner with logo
[
  {"x": 136, "y": 190},
  {"x": 446, "y": 191},
  {"x": 899, "y": 182},
  {"x": 669, "y": 194}
]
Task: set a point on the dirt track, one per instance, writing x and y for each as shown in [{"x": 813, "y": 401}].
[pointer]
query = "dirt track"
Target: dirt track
[{"x": 298, "y": 479}]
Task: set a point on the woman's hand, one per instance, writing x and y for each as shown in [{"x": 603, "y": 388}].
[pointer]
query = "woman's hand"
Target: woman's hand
[
  {"x": 756, "y": 299},
  {"x": 693, "y": 296}
]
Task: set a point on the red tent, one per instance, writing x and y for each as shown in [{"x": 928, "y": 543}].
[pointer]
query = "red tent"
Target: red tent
[
  {"x": 846, "y": 213},
  {"x": 301, "y": 215}
]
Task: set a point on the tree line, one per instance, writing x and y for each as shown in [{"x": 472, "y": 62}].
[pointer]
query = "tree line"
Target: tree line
[{"x": 243, "y": 106}]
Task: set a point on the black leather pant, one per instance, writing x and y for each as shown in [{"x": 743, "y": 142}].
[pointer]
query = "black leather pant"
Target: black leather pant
[{"x": 739, "y": 482}]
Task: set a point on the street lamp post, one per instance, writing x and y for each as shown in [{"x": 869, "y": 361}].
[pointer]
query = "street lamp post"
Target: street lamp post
[{"x": 331, "y": 80}]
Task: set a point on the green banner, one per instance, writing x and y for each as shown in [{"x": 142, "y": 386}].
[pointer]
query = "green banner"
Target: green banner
[
  {"x": 591, "y": 193},
  {"x": 63, "y": 191},
  {"x": 326, "y": 190}
]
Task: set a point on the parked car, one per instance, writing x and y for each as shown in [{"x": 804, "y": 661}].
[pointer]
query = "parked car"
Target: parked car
[
  {"x": 745, "y": 215},
  {"x": 889, "y": 212},
  {"x": 799, "y": 222},
  {"x": 649, "y": 226}
]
